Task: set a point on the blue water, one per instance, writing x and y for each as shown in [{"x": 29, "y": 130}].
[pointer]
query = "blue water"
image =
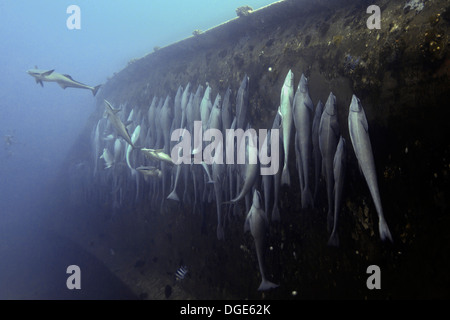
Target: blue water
[{"x": 44, "y": 122}]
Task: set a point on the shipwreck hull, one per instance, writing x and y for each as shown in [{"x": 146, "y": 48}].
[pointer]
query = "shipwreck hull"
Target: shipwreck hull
[{"x": 401, "y": 74}]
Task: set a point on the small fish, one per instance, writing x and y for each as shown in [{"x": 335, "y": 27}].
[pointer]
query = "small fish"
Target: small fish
[
  {"x": 301, "y": 110},
  {"x": 339, "y": 176},
  {"x": 117, "y": 123},
  {"x": 107, "y": 156},
  {"x": 328, "y": 140},
  {"x": 359, "y": 135},
  {"x": 256, "y": 222},
  {"x": 242, "y": 103},
  {"x": 316, "y": 150},
  {"x": 181, "y": 273},
  {"x": 286, "y": 100},
  {"x": 157, "y": 154},
  {"x": 149, "y": 171}
]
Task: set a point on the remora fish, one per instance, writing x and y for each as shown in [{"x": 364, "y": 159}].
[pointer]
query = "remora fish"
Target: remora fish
[
  {"x": 64, "y": 80},
  {"x": 184, "y": 103},
  {"x": 177, "y": 110},
  {"x": 267, "y": 180},
  {"x": 256, "y": 222},
  {"x": 134, "y": 138},
  {"x": 251, "y": 170},
  {"x": 149, "y": 171},
  {"x": 227, "y": 117},
  {"x": 165, "y": 117},
  {"x": 339, "y": 174},
  {"x": 242, "y": 104},
  {"x": 173, "y": 195},
  {"x": 118, "y": 150},
  {"x": 117, "y": 123},
  {"x": 99, "y": 130},
  {"x": 316, "y": 150},
  {"x": 205, "y": 108},
  {"x": 359, "y": 135},
  {"x": 277, "y": 176},
  {"x": 157, "y": 154},
  {"x": 107, "y": 156},
  {"x": 215, "y": 115},
  {"x": 196, "y": 116},
  {"x": 151, "y": 122},
  {"x": 218, "y": 172},
  {"x": 286, "y": 99},
  {"x": 302, "y": 110},
  {"x": 328, "y": 140}
]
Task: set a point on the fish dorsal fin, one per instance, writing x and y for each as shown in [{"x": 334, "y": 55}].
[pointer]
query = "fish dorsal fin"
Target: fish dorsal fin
[
  {"x": 47, "y": 73},
  {"x": 68, "y": 76}
]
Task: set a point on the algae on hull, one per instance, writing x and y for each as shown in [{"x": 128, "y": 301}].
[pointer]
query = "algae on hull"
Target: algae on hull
[{"x": 402, "y": 80}]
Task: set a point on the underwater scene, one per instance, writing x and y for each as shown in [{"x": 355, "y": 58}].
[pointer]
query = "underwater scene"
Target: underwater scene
[{"x": 206, "y": 150}]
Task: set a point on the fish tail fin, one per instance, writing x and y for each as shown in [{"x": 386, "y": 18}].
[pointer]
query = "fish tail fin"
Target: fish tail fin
[
  {"x": 266, "y": 285},
  {"x": 334, "y": 239},
  {"x": 275, "y": 213},
  {"x": 384, "y": 231},
  {"x": 307, "y": 199},
  {"x": 285, "y": 178},
  {"x": 220, "y": 233},
  {"x": 94, "y": 91},
  {"x": 173, "y": 196}
]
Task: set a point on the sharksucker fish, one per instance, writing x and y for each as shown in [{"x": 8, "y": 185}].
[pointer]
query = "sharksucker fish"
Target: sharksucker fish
[
  {"x": 359, "y": 135},
  {"x": 184, "y": 101},
  {"x": 256, "y": 222},
  {"x": 242, "y": 104},
  {"x": 149, "y": 171},
  {"x": 117, "y": 123},
  {"x": 302, "y": 109},
  {"x": 277, "y": 176},
  {"x": 227, "y": 117},
  {"x": 286, "y": 100},
  {"x": 108, "y": 157},
  {"x": 316, "y": 149},
  {"x": 250, "y": 170},
  {"x": 64, "y": 80},
  {"x": 205, "y": 107},
  {"x": 177, "y": 109},
  {"x": 339, "y": 163},
  {"x": 328, "y": 140},
  {"x": 134, "y": 138},
  {"x": 218, "y": 172}
]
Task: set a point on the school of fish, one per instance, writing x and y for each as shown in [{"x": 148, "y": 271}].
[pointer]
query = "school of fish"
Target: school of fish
[{"x": 135, "y": 145}]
